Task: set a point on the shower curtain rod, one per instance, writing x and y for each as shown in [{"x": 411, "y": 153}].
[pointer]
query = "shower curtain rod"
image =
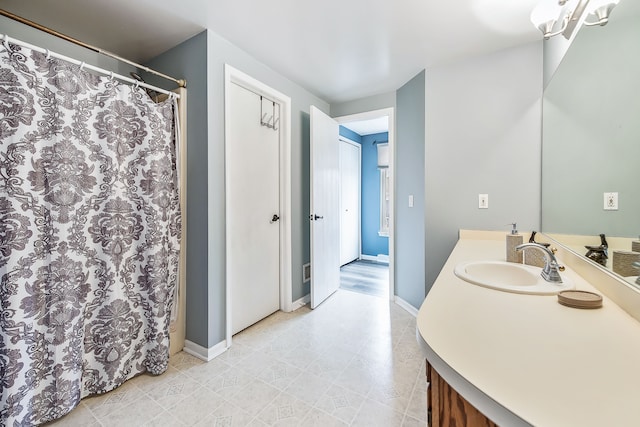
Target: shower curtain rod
[
  {"x": 4, "y": 39},
  {"x": 180, "y": 82}
]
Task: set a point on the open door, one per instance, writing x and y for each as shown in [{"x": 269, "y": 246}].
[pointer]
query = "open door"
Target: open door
[{"x": 325, "y": 207}]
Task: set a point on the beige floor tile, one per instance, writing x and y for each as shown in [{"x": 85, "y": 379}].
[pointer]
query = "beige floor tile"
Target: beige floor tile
[
  {"x": 175, "y": 390},
  {"x": 182, "y": 361},
  {"x": 336, "y": 365},
  {"x": 285, "y": 410},
  {"x": 254, "y": 397},
  {"x": 136, "y": 413},
  {"x": 341, "y": 403},
  {"x": 227, "y": 415},
  {"x": 81, "y": 416},
  {"x": 104, "y": 404},
  {"x": 308, "y": 387},
  {"x": 199, "y": 404},
  {"x": 207, "y": 371},
  {"x": 164, "y": 419},
  {"x": 417, "y": 407},
  {"x": 409, "y": 421},
  {"x": 317, "y": 418},
  {"x": 279, "y": 374},
  {"x": 229, "y": 383},
  {"x": 374, "y": 414}
]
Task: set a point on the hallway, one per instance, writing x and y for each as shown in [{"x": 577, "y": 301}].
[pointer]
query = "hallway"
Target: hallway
[{"x": 365, "y": 277}]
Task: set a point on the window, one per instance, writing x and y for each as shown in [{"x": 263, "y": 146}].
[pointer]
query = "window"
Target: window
[
  {"x": 383, "y": 166},
  {"x": 384, "y": 202}
]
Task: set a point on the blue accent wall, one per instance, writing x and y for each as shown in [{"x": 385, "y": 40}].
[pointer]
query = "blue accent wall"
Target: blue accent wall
[
  {"x": 348, "y": 133},
  {"x": 372, "y": 243}
]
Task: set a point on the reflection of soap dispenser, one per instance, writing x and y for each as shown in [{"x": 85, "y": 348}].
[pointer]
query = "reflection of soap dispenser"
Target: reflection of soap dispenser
[
  {"x": 514, "y": 239},
  {"x": 535, "y": 257}
]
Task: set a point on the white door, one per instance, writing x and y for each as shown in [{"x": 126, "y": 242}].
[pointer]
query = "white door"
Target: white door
[
  {"x": 253, "y": 234},
  {"x": 349, "y": 202},
  {"x": 325, "y": 207}
]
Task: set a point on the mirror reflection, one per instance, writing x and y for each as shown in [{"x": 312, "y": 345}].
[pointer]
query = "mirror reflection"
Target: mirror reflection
[{"x": 591, "y": 144}]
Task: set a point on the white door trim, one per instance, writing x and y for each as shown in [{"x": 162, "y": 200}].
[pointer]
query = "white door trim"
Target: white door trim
[
  {"x": 389, "y": 112},
  {"x": 359, "y": 147},
  {"x": 231, "y": 76}
]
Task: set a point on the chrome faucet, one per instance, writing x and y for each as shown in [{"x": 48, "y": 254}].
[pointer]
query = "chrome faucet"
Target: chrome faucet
[{"x": 551, "y": 270}]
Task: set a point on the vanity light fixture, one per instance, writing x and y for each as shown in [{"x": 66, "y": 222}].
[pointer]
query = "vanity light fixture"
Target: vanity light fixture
[{"x": 569, "y": 13}]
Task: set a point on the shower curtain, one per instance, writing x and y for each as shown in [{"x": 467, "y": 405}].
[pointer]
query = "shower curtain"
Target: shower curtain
[{"x": 89, "y": 234}]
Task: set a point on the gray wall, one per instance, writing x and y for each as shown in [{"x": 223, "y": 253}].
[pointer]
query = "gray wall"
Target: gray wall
[
  {"x": 207, "y": 327},
  {"x": 592, "y": 132},
  {"x": 41, "y": 39},
  {"x": 189, "y": 61},
  {"x": 410, "y": 180},
  {"x": 362, "y": 105},
  {"x": 483, "y": 135},
  {"x": 221, "y": 51}
]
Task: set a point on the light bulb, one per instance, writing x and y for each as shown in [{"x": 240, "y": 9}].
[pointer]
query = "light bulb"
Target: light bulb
[{"x": 545, "y": 13}]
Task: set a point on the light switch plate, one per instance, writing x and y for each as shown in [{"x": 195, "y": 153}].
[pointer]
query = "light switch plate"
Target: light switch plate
[
  {"x": 610, "y": 201},
  {"x": 483, "y": 201}
]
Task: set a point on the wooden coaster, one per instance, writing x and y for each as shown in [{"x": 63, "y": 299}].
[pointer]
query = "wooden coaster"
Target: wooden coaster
[{"x": 580, "y": 299}]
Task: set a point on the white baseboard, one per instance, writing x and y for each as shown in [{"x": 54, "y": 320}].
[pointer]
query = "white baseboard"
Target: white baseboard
[
  {"x": 301, "y": 302},
  {"x": 204, "y": 353},
  {"x": 381, "y": 258},
  {"x": 406, "y": 306}
]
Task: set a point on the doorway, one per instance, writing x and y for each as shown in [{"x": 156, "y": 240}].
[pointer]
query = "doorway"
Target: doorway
[
  {"x": 258, "y": 201},
  {"x": 371, "y": 271}
]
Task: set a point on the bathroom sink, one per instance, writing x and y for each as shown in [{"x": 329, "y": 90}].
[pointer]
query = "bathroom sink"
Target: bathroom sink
[{"x": 509, "y": 277}]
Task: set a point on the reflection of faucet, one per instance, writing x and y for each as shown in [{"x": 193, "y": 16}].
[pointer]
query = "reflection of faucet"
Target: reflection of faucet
[
  {"x": 636, "y": 265},
  {"x": 599, "y": 254},
  {"x": 550, "y": 272}
]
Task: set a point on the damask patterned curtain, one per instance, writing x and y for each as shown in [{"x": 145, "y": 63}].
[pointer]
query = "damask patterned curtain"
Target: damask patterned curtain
[{"x": 89, "y": 234}]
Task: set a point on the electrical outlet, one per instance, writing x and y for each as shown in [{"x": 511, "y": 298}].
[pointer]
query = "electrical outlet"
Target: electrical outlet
[
  {"x": 610, "y": 201},
  {"x": 483, "y": 201}
]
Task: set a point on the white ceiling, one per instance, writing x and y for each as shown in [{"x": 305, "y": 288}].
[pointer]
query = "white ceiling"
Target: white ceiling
[
  {"x": 339, "y": 50},
  {"x": 369, "y": 127}
]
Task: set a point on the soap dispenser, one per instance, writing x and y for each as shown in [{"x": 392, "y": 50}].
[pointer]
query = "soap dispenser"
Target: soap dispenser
[{"x": 514, "y": 239}]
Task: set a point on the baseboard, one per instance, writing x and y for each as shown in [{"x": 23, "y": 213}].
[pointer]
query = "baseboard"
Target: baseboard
[
  {"x": 204, "y": 353},
  {"x": 380, "y": 258},
  {"x": 406, "y": 306},
  {"x": 301, "y": 302}
]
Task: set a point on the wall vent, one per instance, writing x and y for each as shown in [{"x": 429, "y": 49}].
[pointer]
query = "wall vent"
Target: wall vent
[{"x": 306, "y": 272}]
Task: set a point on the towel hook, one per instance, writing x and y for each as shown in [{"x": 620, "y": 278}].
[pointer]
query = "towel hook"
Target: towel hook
[
  {"x": 48, "y": 52},
  {"x": 111, "y": 76},
  {"x": 5, "y": 41},
  {"x": 82, "y": 65}
]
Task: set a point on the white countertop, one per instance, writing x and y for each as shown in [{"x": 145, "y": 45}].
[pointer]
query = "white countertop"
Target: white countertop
[{"x": 526, "y": 359}]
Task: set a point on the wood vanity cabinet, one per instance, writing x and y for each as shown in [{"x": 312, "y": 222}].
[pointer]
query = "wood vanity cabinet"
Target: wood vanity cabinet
[{"x": 446, "y": 408}]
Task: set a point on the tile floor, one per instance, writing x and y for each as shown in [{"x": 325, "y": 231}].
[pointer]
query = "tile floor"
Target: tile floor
[{"x": 354, "y": 361}]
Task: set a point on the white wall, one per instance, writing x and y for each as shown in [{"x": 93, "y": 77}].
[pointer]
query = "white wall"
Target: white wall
[{"x": 483, "y": 135}]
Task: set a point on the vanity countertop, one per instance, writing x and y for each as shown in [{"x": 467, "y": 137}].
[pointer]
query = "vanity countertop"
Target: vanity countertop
[{"x": 526, "y": 359}]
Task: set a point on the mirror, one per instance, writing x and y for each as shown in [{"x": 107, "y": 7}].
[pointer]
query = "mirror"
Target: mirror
[{"x": 591, "y": 139}]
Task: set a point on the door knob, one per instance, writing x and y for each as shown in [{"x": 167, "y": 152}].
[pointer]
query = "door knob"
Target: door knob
[
  {"x": 275, "y": 218},
  {"x": 317, "y": 217}
]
